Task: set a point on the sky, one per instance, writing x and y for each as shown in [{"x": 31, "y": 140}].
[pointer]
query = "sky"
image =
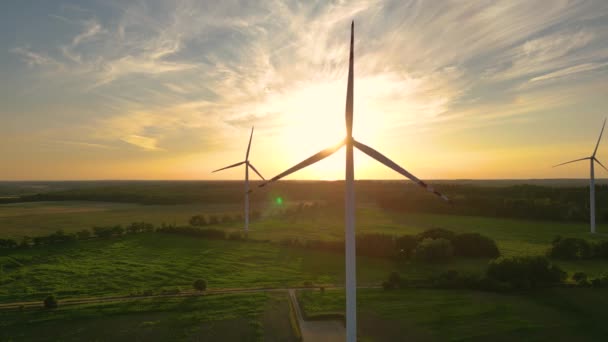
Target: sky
[{"x": 170, "y": 89}]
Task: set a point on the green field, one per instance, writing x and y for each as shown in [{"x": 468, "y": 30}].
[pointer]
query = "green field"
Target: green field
[
  {"x": 231, "y": 317},
  {"x": 157, "y": 263},
  {"x": 514, "y": 236},
  {"x": 460, "y": 315}
]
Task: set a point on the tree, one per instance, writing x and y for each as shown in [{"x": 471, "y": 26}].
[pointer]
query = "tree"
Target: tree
[
  {"x": 83, "y": 234},
  {"x": 198, "y": 220},
  {"x": 439, "y": 249},
  {"x": 200, "y": 285},
  {"x": 50, "y": 302}
]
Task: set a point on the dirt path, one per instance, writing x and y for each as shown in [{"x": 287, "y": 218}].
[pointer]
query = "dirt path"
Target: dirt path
[
  {"x": 322, "y": 331},
  {"x": 190, "y": 293}
]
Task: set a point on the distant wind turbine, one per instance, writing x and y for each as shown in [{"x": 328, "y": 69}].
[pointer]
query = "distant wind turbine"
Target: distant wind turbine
[
  {"x": 350, "y": 142},
  {"x": 591, "y": 159},
  {"x": 247, "y": 190}
]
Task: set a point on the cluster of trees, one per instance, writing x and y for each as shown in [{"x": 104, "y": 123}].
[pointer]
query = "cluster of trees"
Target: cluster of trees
[
  {"x": 431, "y": 245},
  {"x": 61, "y": 236},
  {"x": 576, "y": 249},
  {"x": 581, "y": 279},
  {"x": 506, "y": 274},
  {"x": 517, "y": 201},
  {"x": 204, "y": 220}
]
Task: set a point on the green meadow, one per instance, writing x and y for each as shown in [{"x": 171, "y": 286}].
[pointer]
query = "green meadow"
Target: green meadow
[
  {"x": 232, "y": 317},
  {"x": 159, "y": 263},
  {"x": 462, "y": 315}
]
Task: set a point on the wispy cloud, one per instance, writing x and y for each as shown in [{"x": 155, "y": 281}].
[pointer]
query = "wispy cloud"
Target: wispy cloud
[{"x": 187, "y": 75}]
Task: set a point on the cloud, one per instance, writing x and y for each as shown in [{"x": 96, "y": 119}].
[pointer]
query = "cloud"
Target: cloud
[
  {"x": 145, "y": 143},
  {"x": 569, "y": 71},
  {"x": 182, "y": 76},
  {"x": 32, "y": 58}
]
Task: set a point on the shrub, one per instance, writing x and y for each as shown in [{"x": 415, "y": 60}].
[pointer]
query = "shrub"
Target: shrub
[
  {"x": 104, "y": 232},
  {"x": 213, "y": 219},
  {"x": 600, "y": 249},
  {"x": 475, "y": 245},
  {"x": 579, "y": 277},
  {"x": 525, "y": 272},
  {"x": 198, "y": 220},
  {"x": 200, "y": 285},
  {"x": 8, "y": 243},
  {"x": 405, "y": 245},
  {"x": 436, "y": 233},
  {"x": 570, "y": 249},
  {"x": 50, "y": 302},
  {"x": 434, "y": 250},
  {"x": 83, "y": 234}
]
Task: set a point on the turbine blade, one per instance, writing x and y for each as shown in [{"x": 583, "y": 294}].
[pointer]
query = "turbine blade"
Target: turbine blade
[
  {"x": 598, "y": 139},
  {"x": 349, "y": 90},
  {"x": 384, "y": 160},
  {"x": 572, "y": 161},
  {"x": 229, "y": 166},
  {"x": 249, "y": 146},
  {"x": 255, "y": 170},
  {"x": 602, "y": 165},
  {"x": 319, "y": 156}
]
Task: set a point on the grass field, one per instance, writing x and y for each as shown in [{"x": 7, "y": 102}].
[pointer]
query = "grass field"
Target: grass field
[
  {"x": 153, "y": 262},
  {"x": 461, "y": 315},
  {"x": 250, "y": 317},
  {"x": 514, "y": 237}
]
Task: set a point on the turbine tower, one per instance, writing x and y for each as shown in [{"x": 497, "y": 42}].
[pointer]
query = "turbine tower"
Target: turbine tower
[
  {"x": 350, "y": 143},
  {"x": 591, "y": 159},
  {"x": 247, "y": 190}
]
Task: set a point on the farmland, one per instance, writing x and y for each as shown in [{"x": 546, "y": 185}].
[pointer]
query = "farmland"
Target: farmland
[{"x": 155, "y": 263}]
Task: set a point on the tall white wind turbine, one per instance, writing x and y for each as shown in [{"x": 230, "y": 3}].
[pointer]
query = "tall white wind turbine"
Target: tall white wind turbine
[
  {"x": 591, "y": 159},
  {"x": 247, "y": 190},
  {"x": 350, "y": 142}
]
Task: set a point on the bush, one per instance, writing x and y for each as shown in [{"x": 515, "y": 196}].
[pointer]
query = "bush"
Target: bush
[
  {"x": 473, "y": 245},
  {"x": 525, "y": 272},
  {"x": 405, "y": 245},
  {"x": 200, "y": 285},
  {"x": 570, "y": 249},
  {"x": 213, "y": 219},
  {"x": 434, "y": 250},
  {"x": 436, "y": 233},
  {"x": 600, "y": 249},
  {"x": 198, "y": 221},
  {"x": 50, "y": 302},
  {"x": 8, "y": 243},
  {"x": 579, "y": 277},
  {"x": 83, "y": 234}
]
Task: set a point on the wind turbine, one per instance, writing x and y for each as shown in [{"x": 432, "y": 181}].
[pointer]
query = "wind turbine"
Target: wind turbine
[
  {"x": 591, "y": 159},
  {"x": 350, "y": 143},
  {"x": 247, "y": 190}
]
